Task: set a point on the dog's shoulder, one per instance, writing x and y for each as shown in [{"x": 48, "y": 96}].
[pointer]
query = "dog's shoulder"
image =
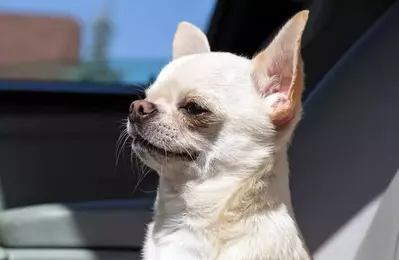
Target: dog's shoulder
[{"x": 262, "y": 237}]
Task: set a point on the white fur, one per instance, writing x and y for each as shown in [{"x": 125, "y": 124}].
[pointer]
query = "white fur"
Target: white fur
[{"x": 195, "y": 215}]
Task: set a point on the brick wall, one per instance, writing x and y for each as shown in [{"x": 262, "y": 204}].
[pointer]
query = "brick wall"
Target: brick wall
[{"x": 32, "y": 41}]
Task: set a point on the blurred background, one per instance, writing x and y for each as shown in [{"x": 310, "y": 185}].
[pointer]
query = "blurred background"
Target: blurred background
[{"x": 107, "y": 41}]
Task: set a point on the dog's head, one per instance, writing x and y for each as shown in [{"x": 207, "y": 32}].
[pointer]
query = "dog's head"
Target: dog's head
[{"x": 211, "y": 111}]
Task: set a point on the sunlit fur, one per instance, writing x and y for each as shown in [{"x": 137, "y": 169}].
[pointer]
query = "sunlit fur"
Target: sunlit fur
[{"x": 232, "y": 201}]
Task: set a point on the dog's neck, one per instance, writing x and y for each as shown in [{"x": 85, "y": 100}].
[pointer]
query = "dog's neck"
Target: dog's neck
[{"x": 206, "y": 200}]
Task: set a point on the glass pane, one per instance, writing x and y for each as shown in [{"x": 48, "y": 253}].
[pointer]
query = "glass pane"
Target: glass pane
[{"x": 102, "y": 41}]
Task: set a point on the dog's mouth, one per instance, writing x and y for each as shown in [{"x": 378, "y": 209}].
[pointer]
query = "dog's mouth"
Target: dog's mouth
[{"x": 148, "y": 146}]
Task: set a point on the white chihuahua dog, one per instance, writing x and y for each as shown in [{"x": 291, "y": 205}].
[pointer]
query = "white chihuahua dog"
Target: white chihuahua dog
[{"x": 216, "y": 126}]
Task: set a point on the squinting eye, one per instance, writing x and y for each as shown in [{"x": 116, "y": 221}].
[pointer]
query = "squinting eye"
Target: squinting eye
[{"x": 194, "y": 109}]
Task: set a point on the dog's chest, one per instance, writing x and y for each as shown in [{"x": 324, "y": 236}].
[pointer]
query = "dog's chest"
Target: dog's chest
[
  {"x": 256, "y": 240},
  {"x": 181, "y": 243}
]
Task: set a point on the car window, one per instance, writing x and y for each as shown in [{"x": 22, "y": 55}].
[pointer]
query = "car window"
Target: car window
[{"x": 124, "y": 42}]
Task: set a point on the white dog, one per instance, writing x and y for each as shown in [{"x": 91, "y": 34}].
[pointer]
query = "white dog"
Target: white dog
[{"x": 216, "y": 126}]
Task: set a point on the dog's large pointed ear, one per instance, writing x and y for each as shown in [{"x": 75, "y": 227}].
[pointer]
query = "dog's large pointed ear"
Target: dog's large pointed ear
[
  {"x": 189, "y": 39},
  {"x": 278, "y": 71}
]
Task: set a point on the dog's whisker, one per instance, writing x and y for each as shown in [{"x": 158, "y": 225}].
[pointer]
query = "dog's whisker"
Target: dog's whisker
[
  {"x": 122, "y": 145},
  {"x": 166, "y": 152},
  {"x": 144, "y": 176},
  {"x": 185, "y": 149},
  {"x": 140, "y": 88},
  {"x": 123, "y": 123},
  {"x": 137, "y": 170},
  {"x": 121, "y": 135},
  {"x": 118, "y": 143},
  {"x": 145, "y": 172},
  {"x": 142, "y": 170},
  {"x": 147, "y": 191}
]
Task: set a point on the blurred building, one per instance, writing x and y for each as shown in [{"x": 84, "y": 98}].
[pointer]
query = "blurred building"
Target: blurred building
[{"x": 37, "y": 47}]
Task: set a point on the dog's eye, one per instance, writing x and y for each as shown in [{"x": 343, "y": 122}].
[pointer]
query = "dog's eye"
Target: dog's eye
[{"x": 194, "y": 109}]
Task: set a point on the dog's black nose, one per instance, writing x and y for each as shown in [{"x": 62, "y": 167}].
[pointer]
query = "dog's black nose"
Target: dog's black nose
[{"x": 141, "y": 109}]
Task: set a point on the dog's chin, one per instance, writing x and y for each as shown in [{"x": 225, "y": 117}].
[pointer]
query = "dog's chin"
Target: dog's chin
[{"x": 149, "y": 152}]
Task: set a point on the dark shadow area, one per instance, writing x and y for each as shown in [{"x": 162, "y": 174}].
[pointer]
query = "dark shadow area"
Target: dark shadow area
[
  {"x": 62, "y": 185},
  {"x": 345, "y": 151},
  {"x": 245, "y": 27},
  {"x": 60, "y": 147}
]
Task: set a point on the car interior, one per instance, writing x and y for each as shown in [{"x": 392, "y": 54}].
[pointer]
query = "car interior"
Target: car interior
[{"x": 71, "y": 191}]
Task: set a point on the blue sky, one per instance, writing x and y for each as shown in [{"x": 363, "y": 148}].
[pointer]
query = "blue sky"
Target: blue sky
[{"x": 142, "y": 28}]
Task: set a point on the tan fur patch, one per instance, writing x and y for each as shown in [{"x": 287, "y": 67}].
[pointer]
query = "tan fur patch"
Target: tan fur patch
[
  {"x": 251, "y": 199},
  {"x": 198, "y": 122}
]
